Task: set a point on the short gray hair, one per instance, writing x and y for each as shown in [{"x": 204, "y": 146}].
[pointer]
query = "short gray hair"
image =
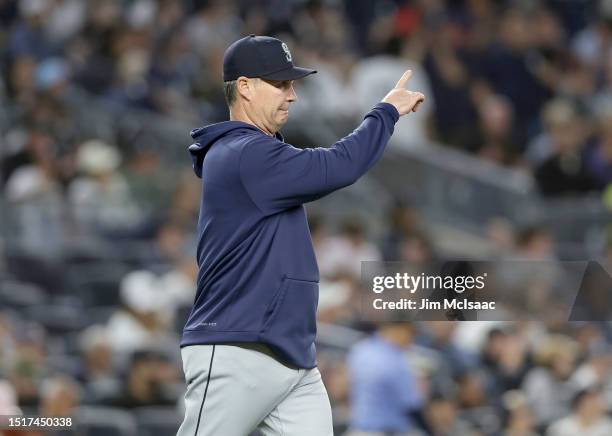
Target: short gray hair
[{"x": 230, "y": 92}]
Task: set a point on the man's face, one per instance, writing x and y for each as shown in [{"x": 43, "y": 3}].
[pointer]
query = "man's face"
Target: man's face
[{"x": 270, "y": 103}]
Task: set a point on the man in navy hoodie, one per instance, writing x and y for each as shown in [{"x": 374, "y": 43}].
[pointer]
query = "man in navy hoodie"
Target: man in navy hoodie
[{"x": 248, "y": 346}]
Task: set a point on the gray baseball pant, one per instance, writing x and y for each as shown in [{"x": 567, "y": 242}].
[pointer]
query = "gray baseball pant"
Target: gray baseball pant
[{"x": 234, "y": 389}]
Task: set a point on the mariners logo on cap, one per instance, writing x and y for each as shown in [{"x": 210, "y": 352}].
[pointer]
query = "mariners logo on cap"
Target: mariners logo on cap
[{"x": 287, "y": 52}]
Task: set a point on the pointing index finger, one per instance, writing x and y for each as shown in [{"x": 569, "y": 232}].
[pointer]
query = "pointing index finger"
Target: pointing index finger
[{"x": 401, "y": 83}]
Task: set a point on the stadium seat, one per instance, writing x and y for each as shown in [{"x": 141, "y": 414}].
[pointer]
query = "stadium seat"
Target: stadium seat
[
  {"x": 57, "y": 320},
  {"x": 97, "y": 284},
  {"x": 65, "y": 364},
  {"x": 17, "y": 294},
  {"x": 157, "y": 421},
  {"x": 33, "y": 269},
  {"x": 105, "y": 421}
]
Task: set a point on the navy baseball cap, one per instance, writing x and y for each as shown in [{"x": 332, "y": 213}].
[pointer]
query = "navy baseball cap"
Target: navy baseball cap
[{"x": 261, "y": 56}]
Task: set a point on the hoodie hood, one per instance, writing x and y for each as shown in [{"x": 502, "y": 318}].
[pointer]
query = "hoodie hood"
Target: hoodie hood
[{"x": 205, "y": 137}]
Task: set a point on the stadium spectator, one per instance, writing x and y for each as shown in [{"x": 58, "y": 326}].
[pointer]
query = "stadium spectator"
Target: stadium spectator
[
  {"x": 548, "y": 386},
  {"x": 385, "y": 394},
  {"x": 588, "y": 417},
  {"x": 496, "y": 140},
  {"x": 519, "y": 420},
  {"x": 100, "y": 198},
  {"x": 443, "y": 419},
  {"x": 8, "y": 399},
  {"x": 416, "y": 248},
  {"x": 149, "y": 181},
  {"x": 60, "y": 396},
  {"x": 508, "y": 367},
  {"x": 472, "y": 401},
  {"x": 455, "y": 113},
  {"x": 142, "y": 321},
  {"x": 34, "y": 192},
  {"x": 346, "y": 251},
  {"x": 151, "y": 380},
  {"x": 501, "y": 235},
  {"x": 372, "y": 76},
  {"x": 507, "y": 71},
  {"x": 30, "y": 37},
  {"x": 98, "y": 373},
  {"x": 565, "y": 171},
  {"x": 403, "y": 220},
  {"x": 170, "y": 245},
  {"x": 599, "y": 154}
]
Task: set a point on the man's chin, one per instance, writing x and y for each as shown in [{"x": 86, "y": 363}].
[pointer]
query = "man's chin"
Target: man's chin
[{"x": 281, "y": 120}]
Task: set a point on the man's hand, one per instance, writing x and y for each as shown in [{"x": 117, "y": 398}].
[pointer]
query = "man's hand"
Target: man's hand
[{"x": 404, "y": 100}]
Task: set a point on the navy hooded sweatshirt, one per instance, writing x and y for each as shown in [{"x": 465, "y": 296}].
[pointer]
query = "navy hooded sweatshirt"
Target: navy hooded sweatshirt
[{"x": 258, "y": 278}]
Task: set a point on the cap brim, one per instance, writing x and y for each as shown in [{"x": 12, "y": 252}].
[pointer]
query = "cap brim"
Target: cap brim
[{"x": 291, "y": 73}]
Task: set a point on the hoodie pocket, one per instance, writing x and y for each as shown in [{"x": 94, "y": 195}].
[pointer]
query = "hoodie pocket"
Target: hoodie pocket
[{"x": 292, "y": 313}]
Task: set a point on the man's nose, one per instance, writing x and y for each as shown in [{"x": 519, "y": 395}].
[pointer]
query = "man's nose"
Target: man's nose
[{"x": 292, "y": 95}]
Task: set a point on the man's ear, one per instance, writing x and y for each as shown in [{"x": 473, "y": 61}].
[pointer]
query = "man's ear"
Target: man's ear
[{"x": 244, "y": 87}]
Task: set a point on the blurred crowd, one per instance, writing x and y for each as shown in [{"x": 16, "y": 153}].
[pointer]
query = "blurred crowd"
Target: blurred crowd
[
  {"x": 525, "y": 83},
  {"x": 100, "y": 328},
  {"x": 94, "y": 294}
]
